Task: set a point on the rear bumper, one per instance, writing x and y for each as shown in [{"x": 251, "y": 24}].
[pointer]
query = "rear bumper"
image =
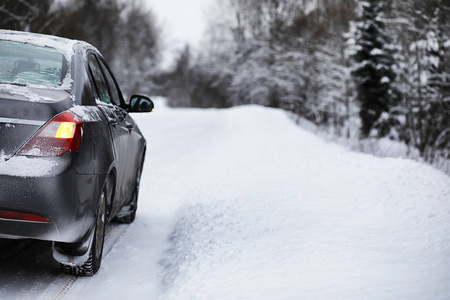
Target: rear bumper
[
  {"x": 22, "y": 229},
  {"x": 48, "y": 187}
]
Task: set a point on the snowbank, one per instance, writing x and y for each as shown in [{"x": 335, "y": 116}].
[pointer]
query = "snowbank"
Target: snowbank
[{"x": 243, "y": 204}]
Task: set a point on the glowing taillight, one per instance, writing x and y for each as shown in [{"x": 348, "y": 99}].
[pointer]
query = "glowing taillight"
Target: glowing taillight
[
  {"x": 60, "y": 135},
  {"x": 66, "y": 130},
  {"x": 14, "y": 215}
]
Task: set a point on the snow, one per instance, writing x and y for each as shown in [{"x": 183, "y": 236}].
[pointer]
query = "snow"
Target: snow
[
  {"x": 87, "y": 113},
  {"x": 423, "y": 78},
  {"x": 432, "y": 42},
  {"x": 446, "y": 44},
  {"x": 311, "y": 6},
  {"x": 28, "y": 94},
  {"x": 377, "y": 51},
  {"x": 3, "y": 157},
  {"x": 243, "y": 204},
  {"x": 61, "y": 44},
  {"x": 385, "y": 79},
  {"x": 23, "y": 166}
]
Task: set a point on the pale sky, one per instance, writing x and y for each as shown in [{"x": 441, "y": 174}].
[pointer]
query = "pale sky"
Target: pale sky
[{"x": 183, "y": 21}]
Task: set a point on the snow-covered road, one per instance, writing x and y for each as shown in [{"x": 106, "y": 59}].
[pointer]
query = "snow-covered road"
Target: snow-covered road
[{"x": 243, "y": 204}]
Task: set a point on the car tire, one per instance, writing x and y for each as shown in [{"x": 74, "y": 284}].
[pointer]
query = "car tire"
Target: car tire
[{"x": 92, "y": 265}]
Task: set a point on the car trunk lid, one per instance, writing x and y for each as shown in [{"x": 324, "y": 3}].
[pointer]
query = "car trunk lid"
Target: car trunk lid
[{"x": 23, "y": 111}]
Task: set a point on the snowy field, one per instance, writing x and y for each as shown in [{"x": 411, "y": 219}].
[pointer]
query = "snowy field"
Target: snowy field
[{"x": 243, "y": 204}]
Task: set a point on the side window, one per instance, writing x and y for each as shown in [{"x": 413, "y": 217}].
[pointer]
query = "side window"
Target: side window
[
  {"x": 113, "y": 89},
  {"x": 99, "y": 80}
]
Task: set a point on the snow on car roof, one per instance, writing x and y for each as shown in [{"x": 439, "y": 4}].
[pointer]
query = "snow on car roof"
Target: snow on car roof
[{"x": 64, "y": 45}]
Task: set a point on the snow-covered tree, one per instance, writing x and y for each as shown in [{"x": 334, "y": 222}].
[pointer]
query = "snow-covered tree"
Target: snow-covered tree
[
  {"x": 26, "y": 15},
  {"x": 282, "y": 53},
  {"x": 181, "y": 80},
  {"x": 264, "y": 69},
  {"x": 126, "y": 34},
  {"x": 429, "y": 69},
  {"x": 96, "y": 21},
  {"x": 374, "y": 74},
  {"x": 137, "y": 54},
  {"x": 323, "y": 28}
]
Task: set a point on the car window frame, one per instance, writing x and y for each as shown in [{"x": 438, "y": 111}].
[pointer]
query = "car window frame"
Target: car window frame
[
  {"x": 111, "y": 82},
  {"x": 92, "y": 57}
]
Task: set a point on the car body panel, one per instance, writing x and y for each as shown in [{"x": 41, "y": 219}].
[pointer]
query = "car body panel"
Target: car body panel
[{"x": 48, "y": 187}]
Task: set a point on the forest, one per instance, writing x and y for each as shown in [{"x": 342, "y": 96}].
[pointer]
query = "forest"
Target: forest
[{"x": 375, "y": 69}]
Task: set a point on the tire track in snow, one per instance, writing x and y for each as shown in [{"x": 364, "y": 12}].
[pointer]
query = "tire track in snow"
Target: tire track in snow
[
  {"x": 66, "y": 285},
  {"x": 8, "y": 251},
  {"x": 25, "y": 268}
]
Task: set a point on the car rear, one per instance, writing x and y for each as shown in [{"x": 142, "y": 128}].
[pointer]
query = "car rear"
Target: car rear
[{"x": 41, "y": 139}]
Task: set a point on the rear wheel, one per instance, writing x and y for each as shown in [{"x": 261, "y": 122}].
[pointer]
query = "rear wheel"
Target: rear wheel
[{"x": 91, "y": 266}]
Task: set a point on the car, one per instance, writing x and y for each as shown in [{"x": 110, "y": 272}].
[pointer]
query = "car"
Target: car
[{"x": 71, "y": 156}]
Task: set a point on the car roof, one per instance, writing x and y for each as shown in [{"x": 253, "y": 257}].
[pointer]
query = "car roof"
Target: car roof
[{"x": 63, "y": 45}]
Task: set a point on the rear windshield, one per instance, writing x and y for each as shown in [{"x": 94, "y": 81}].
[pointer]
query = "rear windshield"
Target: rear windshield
[{"x": 27, "y": 64}]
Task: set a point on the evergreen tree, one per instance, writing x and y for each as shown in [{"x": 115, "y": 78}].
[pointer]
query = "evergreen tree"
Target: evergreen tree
[{"x": 374, "y": 74}]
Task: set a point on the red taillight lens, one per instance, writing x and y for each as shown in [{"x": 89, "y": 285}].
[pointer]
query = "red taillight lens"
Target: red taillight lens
[
  {"x": 14, "y": 215},
  {"x": 60, "y": 135}
]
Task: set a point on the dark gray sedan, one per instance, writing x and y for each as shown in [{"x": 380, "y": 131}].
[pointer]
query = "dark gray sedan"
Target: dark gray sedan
[{"x": 71, "y": 156}]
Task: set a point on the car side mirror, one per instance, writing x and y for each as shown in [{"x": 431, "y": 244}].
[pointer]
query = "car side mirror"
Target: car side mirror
[{"x": 140, "y": 103}]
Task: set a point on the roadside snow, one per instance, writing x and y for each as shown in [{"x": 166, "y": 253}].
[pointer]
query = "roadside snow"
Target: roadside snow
[{"x": 243, "y": 204}]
